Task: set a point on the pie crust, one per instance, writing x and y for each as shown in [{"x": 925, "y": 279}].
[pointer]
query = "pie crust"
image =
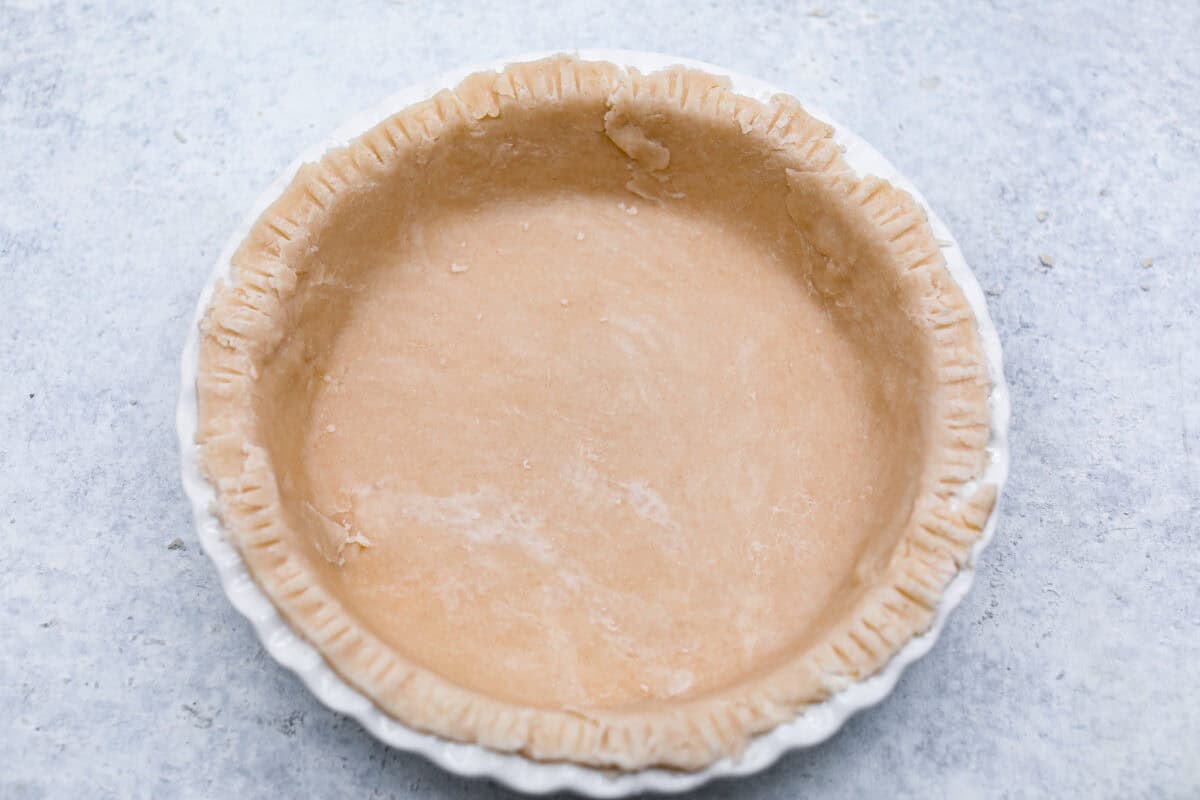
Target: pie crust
[{"x": 596, "y": 416}]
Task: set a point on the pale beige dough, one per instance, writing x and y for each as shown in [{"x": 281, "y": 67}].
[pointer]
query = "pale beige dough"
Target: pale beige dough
[{"x": 596, "y": 416}]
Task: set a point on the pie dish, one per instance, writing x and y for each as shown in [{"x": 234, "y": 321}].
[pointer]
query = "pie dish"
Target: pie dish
[{"x": 596, "y": 416}]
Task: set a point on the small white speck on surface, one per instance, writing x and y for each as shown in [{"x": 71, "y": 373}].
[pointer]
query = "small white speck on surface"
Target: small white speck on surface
[
  {"x": 579, "y": 236},
  {"x": 1043, "y": 215},
  {"x": 462, "y": 243},
  {"x": 458, "y": 269},
  {"x": 479, "y": 315},
  {"x": 1147, "y": 262},
  {"x": 524, "y": 226},
  {"x": 331, "y": 428},
  {"x": 526, "y": 465},
  {"x": 679, "y": 682},
  {"x": 604, "y": 319},
  {"x": 631, "y": 210},
  {"x": 1046, "y": 259},
  {"x": 564, "y": 301},
  {"x": 327, "y": 378}
]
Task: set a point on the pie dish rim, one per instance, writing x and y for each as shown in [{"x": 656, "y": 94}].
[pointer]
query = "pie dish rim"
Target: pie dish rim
[{"x": 815, "y": 724}]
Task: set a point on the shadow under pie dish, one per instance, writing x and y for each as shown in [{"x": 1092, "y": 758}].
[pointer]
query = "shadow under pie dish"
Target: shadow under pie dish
[{"x": 597, "y": 416}]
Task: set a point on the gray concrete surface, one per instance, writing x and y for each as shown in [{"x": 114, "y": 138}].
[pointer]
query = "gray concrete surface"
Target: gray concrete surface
[{"x": 132, "y": 138}]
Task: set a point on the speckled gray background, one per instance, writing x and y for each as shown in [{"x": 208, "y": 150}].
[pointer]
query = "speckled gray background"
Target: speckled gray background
[{"x": 133, "y": 137}]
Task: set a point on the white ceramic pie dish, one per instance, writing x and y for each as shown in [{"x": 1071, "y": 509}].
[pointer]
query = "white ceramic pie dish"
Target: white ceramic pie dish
[{"x": 816, "y": 724}]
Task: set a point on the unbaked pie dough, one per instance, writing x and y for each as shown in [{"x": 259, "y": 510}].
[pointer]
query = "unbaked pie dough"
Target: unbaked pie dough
[{"x": 597, "y": 416}]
